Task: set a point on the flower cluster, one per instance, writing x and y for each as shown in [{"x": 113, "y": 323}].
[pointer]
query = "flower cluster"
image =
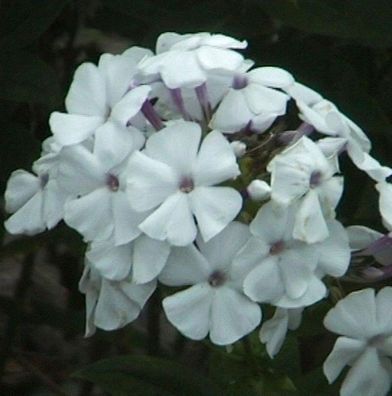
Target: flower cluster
[{"x": 195, "y": 169}]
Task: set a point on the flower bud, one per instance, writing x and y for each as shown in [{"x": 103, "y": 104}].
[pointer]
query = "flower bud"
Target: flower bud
[
  {"x": 258, "y": 190},
  {"x": 239, "y": 148}
]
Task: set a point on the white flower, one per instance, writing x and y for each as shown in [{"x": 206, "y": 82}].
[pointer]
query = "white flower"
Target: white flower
[
  {"x": 284, "y": 271},
  {"x": 327, "y": 119},
  {"x": 364, "y": 322},
  {"x": 176, "y": 178},
  {"x": 252, "y": 101},
  {"x": 385, "y": 203},
  {"x": 184, "y": 61},
  {"x": 215, "y": 303},
  {"x": 273, "y": 331},
  {"x": 302, "y": 172},
  {"x": 111, "y": 305},
  {"x": 100, "y": 103},
  {"x": 142, "y": 259},
  {"x": 99, "y": 207},
  {"x": 37, "y": 202}
]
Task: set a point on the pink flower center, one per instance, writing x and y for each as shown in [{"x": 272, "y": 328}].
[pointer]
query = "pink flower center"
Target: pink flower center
[
  {"x": 186, "y": 185},
  {"x": 315, "y": 179},
  {"x": 217, "y": 278},
  {"x": 277, "y": 248},
  {"x": 112, "y": 182}
]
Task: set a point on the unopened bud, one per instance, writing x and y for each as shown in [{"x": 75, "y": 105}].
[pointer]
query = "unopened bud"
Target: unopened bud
[
  {"x": 258, "y": 190},
  {"x": 239, "y": 148}
]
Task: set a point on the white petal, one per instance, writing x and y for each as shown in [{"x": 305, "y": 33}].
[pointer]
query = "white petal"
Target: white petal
[
  {"x": 176, "y": 146},
  {"x": 125, "y": 219},
  {"x": 384, "y": 310},
  {"x": 149, "y": 182},
  {"x": 385, "y": 203},
  {"x": 222, "y": 41},
  {"x": 271, "y": 77},
  {"x": 71, "y": 129},
  {"x": 215, "y": 161},
  {"x": 130, "y": 104},
  {"x": 369, "y": 376},
  {"x": 233, "y": 316},
  {"x": 87, "y": 94},
  {"x": 310, "y": 225},
  {"x": 354, "y": 316},
  {"x": 344, "y": 353},
  {"x": 273, "y": 331},
  {"x": 331, "y": 191},
  {"x": 263, "y": 283},
  {"x": 172, "y": 221},
  {"x": 189, "y": 310},
  {"x": 262, "y": 122},
  {"x": 112, "y": 262},
  {"x": 149, "y": 258},
  {"x": 185, "y": 266},
  {"x": 29, "y": 218},
  {"x": 214, "y": 208},
  {"x": 303, "y": 93},
  {"x": 54, "y": 200},
  {"x": 112, "y": 144},
  {"x": 79, "y": 170},
  {"x": 221, "y": 250},
  {"x": 218, "y": 58},
  {"x": 91, "y": 215},
  {"x": 361, "y": 237},
  {"x": 261, "y": 99},
  {"x": 233, "y": 113},
  {"x": 21, "y": 187},
  {"x": 334, "y": 252}
]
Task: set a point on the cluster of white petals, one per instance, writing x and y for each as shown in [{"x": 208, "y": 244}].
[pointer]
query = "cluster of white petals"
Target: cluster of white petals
[{"x": 154, "y": 162}]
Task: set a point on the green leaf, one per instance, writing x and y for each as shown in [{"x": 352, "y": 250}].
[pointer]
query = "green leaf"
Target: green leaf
[
  {"x": 146, "y": 376},
  {"x": 366, "y": 21},
  {"x": 23, "y": 21},
  {"x": 26, "y": 78}
]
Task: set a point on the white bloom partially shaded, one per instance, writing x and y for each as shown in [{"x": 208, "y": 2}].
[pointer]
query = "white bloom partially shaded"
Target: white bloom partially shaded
[
  {"x": 303, "y": 173},
  {"x": 285, "y": 271},
  {"x": 215, "y": 303},
  {"x": 36, "y": 201},
  {"x": 252, "y": 101},
  {"x": 141, "y": 259},
  {"x": 184, "y": 61},
  {"x": 326, "y": 118},
  {"x": 364, "y": 322},
  {"x": 176, "y": 178},
  {"x": 111, "y": 305},
  {"x": 100, "y": 103},
  {"x": 385, "y": 203},
  {"x": 98, "y": 207},
  {"x": 273, "y": 331}
]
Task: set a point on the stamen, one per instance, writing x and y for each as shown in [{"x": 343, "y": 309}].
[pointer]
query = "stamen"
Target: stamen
[
  {"x": 112, "y": 182},
  {"x": 277, "y": 248},
  {"x": 151, "y": 115},
  {"x": 217, "y": 278}
]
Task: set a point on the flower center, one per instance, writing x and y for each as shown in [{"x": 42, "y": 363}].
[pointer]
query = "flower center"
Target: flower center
[
  {"x": 217, "y": 278},
  {"x": 377, "y": 341},
  {"x": 277, "y": 248},
  {"x": 112, "y": 182},
  {"x": 186, "y": 185},
  {"x": 240, "y": 81},
  {"x": 315, "y": 179}
]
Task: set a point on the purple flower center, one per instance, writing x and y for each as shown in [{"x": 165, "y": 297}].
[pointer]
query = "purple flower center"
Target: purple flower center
[
  {"x": 277, "y": 248},
  {"x": 377, "y": 341},
  {"x": 43, "y": 179},
  {"x": 186, "y": 185},
  {"x": 315, "y": 179},
  {"x": 112, "y": 182},
  {"x": 217, "y": 278},
  {"x": 240, "y": 81}
]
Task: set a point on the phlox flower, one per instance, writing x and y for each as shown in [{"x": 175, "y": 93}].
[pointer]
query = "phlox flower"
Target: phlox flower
[
  {"x": 214, "y": 303},
  {"x": 176, "y": 179}
]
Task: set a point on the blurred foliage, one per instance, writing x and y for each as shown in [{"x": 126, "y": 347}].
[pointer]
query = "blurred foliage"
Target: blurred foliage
[{"x": 341, "y": 48}]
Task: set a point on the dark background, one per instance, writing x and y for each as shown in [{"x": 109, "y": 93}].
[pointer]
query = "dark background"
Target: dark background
[{"x": 341, "y": 48}]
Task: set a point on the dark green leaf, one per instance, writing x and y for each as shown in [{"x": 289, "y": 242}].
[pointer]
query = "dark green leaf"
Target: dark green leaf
[
  {"x": 23, "y": 21},
  {"x": 26, "y": 78},
  {"x": 366, "y": 21},
  {"x": 146, "y": 376}
]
